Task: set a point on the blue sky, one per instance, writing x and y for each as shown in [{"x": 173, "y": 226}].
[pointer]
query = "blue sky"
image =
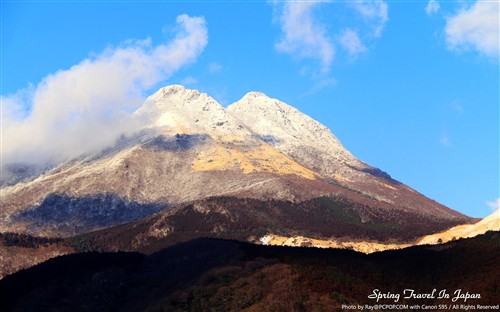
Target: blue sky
[{"x": 409, "y": 87}]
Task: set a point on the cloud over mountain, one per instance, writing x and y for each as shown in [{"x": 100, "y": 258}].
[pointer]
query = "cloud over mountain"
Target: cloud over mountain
[{"x": 85, "y": 108}]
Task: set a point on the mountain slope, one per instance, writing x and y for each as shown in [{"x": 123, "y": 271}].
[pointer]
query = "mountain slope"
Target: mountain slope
[
  {"x": 292, "y": 132},
  {"x": 490, "y": 223},
  {"x": 312, "y": 144},
  {"x": 195, "y": 149},
  {"x": 337, "y": 219}
]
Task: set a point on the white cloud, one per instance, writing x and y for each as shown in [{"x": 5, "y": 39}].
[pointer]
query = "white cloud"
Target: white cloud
[
  {"x": 87, "y": 107},
  {"x": 494, "y": 205},
  {"x": 350, "y": 41},
  {"x": 308, "y": 35},
  {"x": 303, "y": 36},
  {"x": 475, "y": 28},
  {"x": 432, "y": 7},
  {"x": 214, "y": 67},
  {"x": 376, "y": 13}
]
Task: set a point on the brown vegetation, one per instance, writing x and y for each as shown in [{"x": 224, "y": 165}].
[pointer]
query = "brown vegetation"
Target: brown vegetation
[
  {"x": 249, "y": 219},
  {"x": 218, "y": 275},
  {"x": 20, "y": 251}
]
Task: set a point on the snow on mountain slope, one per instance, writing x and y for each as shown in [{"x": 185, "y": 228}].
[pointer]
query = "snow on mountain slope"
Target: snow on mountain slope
[
  {"x": 305, "y": 140},
  {"x": 313, "y": 145},
  {"x": 293, "y": 133},
  {"x": 287, "y": 125}
]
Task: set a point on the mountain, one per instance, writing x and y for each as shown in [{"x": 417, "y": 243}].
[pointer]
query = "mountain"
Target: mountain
[{"x": 194, "y": 151}]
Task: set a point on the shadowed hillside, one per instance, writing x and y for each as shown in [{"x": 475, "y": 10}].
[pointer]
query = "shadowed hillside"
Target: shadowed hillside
[
  {"x": 249, "y": 219},
  {"x": 220, "y": 275}
]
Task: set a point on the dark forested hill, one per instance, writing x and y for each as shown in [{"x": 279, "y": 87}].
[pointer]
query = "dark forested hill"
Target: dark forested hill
[{"x": 222, "y": 275}]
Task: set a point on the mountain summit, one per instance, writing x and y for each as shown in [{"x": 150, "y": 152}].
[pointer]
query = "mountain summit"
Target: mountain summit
[
  {"x": 193, "y": 152},
  {"x": 286, "y": 127},
  {"x": 176, "y": 109},
  {"x": 293, "y": 133}
]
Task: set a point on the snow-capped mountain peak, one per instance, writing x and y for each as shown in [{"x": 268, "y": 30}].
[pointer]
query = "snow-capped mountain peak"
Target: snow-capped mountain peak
[
  {"x": 255, "y": 94},
  {"x": 289, "y": 130},
  {"x": 181, "y": 110}
]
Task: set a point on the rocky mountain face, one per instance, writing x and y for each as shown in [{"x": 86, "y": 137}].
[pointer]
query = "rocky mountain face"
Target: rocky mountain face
[
  {"x": 310, "y": 143},
  {"x": 294, "y": 134},
  {"x": 194, "y": 149}
]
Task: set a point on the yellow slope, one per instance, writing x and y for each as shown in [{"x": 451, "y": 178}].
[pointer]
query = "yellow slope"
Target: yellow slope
[{"x": 259, "y": 158}]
